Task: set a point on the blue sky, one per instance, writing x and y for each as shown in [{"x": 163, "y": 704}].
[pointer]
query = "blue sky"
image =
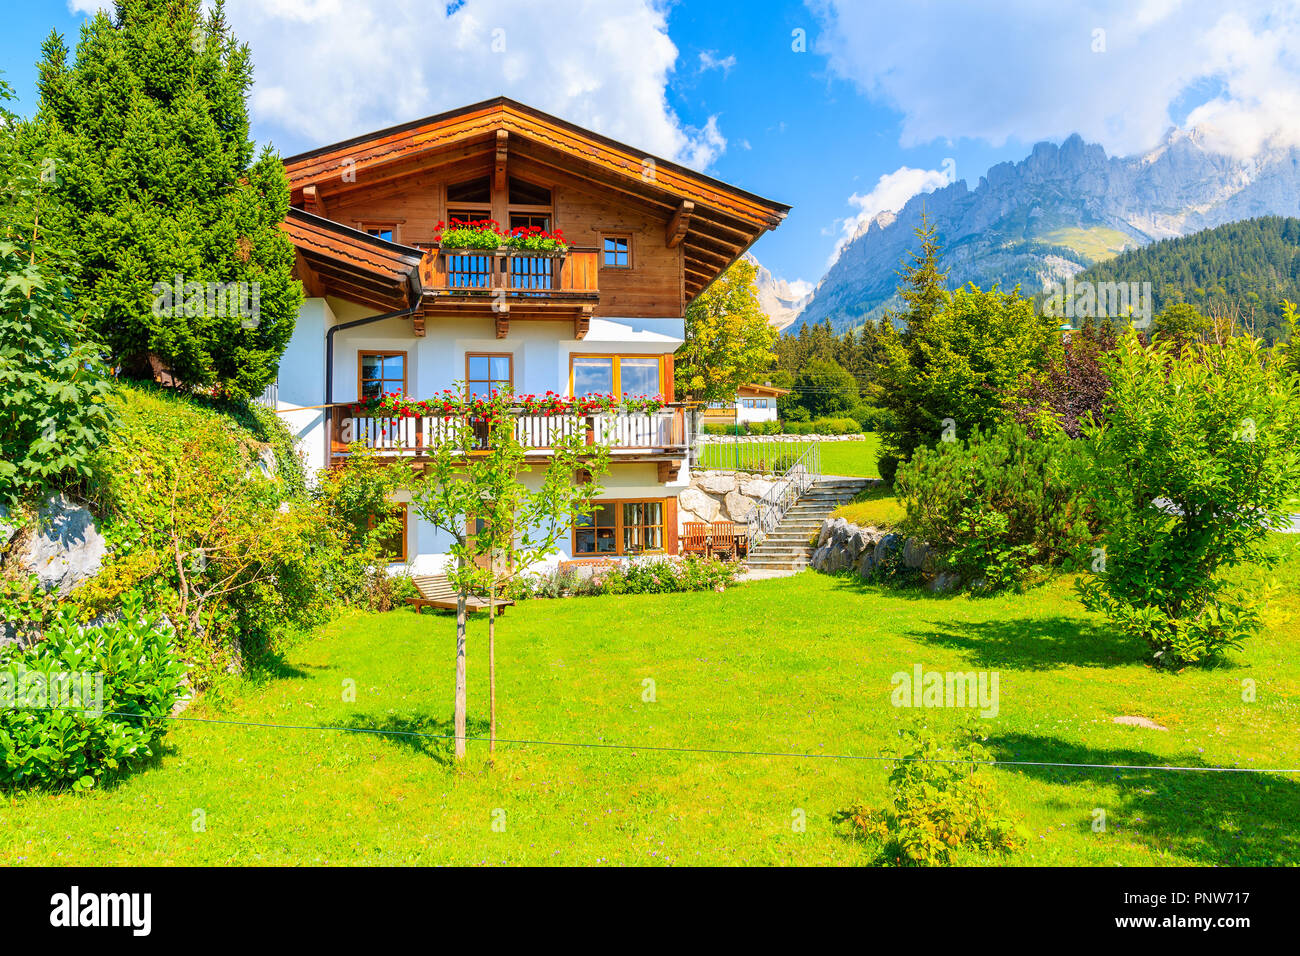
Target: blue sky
[{"x": 882, "y": 100}]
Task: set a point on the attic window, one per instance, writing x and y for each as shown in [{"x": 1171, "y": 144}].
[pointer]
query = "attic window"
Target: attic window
[
  {"x": 526, "y": 194},
  {"x": 475, "y": 191}
]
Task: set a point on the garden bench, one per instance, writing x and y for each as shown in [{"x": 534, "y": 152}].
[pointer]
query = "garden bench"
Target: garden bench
[
  {"x": 695, "y": 538},
  {"x": 436, "y": 591}
]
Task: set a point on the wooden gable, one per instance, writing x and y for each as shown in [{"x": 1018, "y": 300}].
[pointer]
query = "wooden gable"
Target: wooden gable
[{"x": 683, "y": 228}]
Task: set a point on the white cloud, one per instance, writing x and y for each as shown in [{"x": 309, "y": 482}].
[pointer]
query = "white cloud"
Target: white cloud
[
  {"x": 891, "y": 193},
  {"x": 709, "y": 60},
  {"x": 326, "y": 70},
  {"x": 90, "y": 7},
  {"x": 1115, "y": 71}
]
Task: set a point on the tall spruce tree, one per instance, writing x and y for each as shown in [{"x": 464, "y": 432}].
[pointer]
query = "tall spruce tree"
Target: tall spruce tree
[{"x": 174, "y": 228}]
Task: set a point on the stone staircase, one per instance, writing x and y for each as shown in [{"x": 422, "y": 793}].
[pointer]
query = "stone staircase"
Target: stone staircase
[{"x": 787, "y": 548}]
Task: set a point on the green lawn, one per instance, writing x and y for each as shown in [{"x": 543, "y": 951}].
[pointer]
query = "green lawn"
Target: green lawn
[
  {"x": 875, "y": 506},
  {"x": 853, "y": 458},
  {"x": 798, "y": 665}
]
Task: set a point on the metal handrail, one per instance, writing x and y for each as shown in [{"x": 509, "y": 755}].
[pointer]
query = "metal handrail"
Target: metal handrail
[{"x": 768, "y": 511}]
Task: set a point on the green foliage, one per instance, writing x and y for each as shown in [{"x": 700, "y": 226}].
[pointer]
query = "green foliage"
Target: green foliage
[
  {"x": 1181, "y": 322},
  {"x": 53, "y": 383},
  {"x": 221, "y": 542},
  {"x": 1197, "y": 461},
  {"x": 824, "y": 389},
  {"x": 155, "y": 179},
  {"x": 728, "y": 338},
  {"x": 1000, "y": 508},
  {"x": 1239, "y": 271},
  {"x": 78, "y": 740},
  {"x": 958, "y": 359},
  {"x": 655, "y": 576},
  {"x": 937, "y": 806}
]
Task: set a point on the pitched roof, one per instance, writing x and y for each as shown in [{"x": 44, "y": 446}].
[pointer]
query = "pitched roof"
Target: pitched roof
[
  {"x": 355, "y": 265},
  {"x": 716, "y": 222}
]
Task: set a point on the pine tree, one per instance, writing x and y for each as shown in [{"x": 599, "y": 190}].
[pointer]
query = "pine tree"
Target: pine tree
[{"x": 158, "y": 193}]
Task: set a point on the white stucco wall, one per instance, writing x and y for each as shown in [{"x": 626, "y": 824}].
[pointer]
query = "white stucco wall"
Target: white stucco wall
[
  {"x": 744, "y": 414},
  {"x": 540, "y": 351}
]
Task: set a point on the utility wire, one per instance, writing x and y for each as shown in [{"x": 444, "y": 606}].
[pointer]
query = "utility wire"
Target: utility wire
[{"x": 379, "y": 731}]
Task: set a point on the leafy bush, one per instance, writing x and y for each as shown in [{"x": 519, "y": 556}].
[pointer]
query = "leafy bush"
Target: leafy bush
[
  {"x": 647, "y": 576},
  {"x": 1000, "y": 508},
  {"x": 887, "y": 465},
  {"x": 75, "y": 739},
  {"x": 936, "y": 806},
  {"x": 835, "y": 426},
  {"x": 1197, "y": 461}
]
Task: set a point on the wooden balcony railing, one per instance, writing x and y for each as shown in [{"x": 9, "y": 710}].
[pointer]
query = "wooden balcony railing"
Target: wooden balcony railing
[
  {"x": 627, "y": 433},
  {"x": 515, "y": 275}
]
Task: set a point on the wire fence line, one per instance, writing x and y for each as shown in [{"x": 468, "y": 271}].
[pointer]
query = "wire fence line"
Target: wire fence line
[{"x": 717, "y": 751}]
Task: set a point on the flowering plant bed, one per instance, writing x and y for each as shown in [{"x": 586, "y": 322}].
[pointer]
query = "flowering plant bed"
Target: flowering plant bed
[
  {"x": 485, "y": 235},
  {"x": 451, "y": 404}
]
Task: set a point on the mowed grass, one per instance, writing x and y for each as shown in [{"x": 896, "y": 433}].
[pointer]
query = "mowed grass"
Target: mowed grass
[
  {"x": 792, "y": 666},
  {"x": 856, "y": 459},
  {"x": 875, "y": 507}
]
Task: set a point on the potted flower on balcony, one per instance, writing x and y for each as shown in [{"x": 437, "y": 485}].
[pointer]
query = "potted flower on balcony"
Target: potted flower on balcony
[
  {"x": 535, "y": 240},
  {"x": 462, "y": 237}
]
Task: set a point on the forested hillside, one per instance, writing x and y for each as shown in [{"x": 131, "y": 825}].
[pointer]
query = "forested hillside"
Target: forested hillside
[{"x": 1248, "y": 267}]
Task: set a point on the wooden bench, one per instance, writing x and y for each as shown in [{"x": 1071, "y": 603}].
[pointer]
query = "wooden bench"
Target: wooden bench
[{"x": 436, "y": 591}]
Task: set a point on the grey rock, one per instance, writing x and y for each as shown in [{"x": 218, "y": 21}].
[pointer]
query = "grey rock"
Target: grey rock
[
  {"x": 867, "y": 564},
  {"x": 65, "y": 548},
  {"x": 838, "y": 560},
  {"x": 718, "y": 483},
  {"x": 738, "y": 506},
  {"x": 886, "y": 545},
  {"x": 696, "y": 501},
  {"x": 756, "y": 487},
  {"x": 914, "y": 553},
  {"x": 944, "y": 582},
  {"x": 818, "y": 560}
]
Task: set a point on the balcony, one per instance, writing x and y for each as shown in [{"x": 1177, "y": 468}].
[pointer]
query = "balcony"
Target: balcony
[
  {"x": 506, "y": 284},
  {"x": 659, "y": 436}
]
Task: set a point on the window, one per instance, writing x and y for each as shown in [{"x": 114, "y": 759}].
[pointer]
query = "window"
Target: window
[
  {"x": 488, "y": 372},
  {"x": 616, "y": 375},
  {"x": 753, "y": 403},
  {"x": 380, "y": 373},
  {"x": 524, "y": 220},
  {"x": 476, "y": 191},
  {"x": 616, "y": 252},
  {"x": 529, "y": 204},
  {"x": 620, "y": 528},
  {"x": 393, "y": 546},
  {"x": 388, "y": 230}
]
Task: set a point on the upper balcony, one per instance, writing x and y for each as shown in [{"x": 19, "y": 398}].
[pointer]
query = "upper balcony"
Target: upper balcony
[{"x": 506, "y": 283}]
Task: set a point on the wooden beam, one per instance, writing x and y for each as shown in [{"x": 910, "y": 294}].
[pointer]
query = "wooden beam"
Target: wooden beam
[
  {"x": 311, "y": 283},
  {"x": 582, "y": 323},
  {"x": 678, "y": 225},
  {"x": 312, "y": 202},
  {"x": 499, "y": 179},
  {"x": 503, "y": 323},
  {"x": 668, "y": 470},
  {"x": 417, "y": 324}
]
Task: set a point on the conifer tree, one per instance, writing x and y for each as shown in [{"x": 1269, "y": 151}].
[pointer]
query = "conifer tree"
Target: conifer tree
[{"x": 173, "y": 226}]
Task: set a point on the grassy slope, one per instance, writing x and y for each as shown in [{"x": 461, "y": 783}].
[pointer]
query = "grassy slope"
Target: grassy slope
[
  {"x": 875, "y": 506},
  {"x": 801, "y": 664},
  {"x": 856, "y": 459}
]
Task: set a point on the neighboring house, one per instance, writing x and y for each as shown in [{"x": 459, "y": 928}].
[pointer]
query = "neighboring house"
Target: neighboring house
[
  {"x": 388, "y": 310},
  {"x": 754, "y": 403}
]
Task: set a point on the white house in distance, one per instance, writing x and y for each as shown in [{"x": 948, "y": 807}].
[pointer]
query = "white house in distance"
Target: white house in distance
[
  {"x": 754, "y": 403},
  {"x": 390, "y": 309}
]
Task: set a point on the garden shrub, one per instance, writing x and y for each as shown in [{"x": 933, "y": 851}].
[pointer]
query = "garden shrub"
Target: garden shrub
[
  {"x": 1197, "y": 460},
  {"x": 76, "y": 739},
  {"x": 936, "y": 806},
  {"x": 835, "y": 426},
  {"x": 999, "y": 509},
  {"x": 647, "y": 576}
]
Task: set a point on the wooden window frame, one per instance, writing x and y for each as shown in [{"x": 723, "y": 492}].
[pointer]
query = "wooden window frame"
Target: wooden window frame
[
  {"x": 361, "y": 355},
  {"x": 617, "y": 235},
  {"x": 618, "y": 357},
  {"x": 668, "y": 512},
  {"x": 393, "y": 225},
  {"x": 489, "y": 355}
]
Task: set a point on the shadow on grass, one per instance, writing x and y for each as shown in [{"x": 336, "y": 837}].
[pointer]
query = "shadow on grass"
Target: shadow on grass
[
  {"x": 420, "y": 733},
  {"x": 1211, "y": 817},
  {"x": 1036, "y": 643}
]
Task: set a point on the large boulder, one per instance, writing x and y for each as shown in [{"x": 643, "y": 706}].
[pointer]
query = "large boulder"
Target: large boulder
[
  {"x": 718, "y": 483},
  {"x": 699, "y": 504},
  {"x": 945, "y": 582},
  {"x": 867, "y": 564},
  {"x": 914, "y": 553},
  {"x": 64, "y": 547},
  {"x": 887, "y": 545},
  {"x": 756, "y": 487},
  {"x": 837, "y": 559},
  {"x": 818, "y": 560},
  {"x": 738, "y": 506}
]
